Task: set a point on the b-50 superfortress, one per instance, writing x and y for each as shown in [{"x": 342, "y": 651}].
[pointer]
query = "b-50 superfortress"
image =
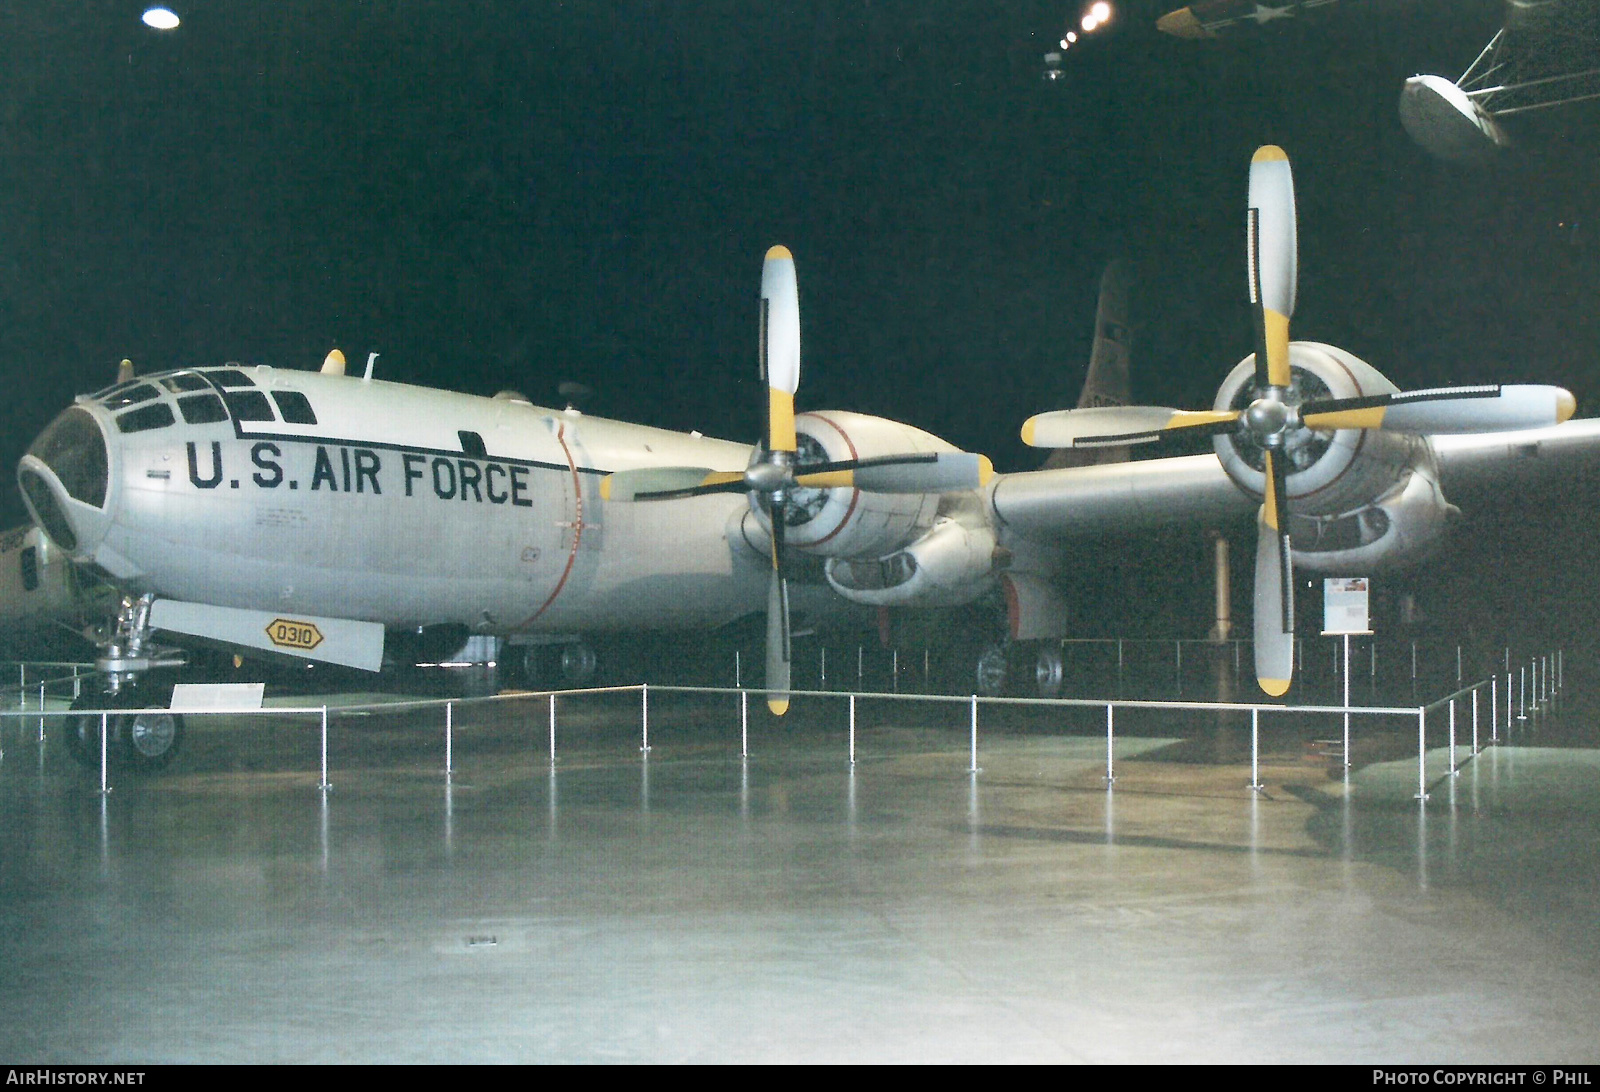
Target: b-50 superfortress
[{"x": 307, "y": 513}]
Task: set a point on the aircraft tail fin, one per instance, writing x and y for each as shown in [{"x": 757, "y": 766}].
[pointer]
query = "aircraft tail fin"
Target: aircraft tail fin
[{"x": 1107, "y": 382}]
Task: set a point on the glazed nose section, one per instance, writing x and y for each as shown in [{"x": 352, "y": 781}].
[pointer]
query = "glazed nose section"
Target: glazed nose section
[{"x": 65, "y": 477}]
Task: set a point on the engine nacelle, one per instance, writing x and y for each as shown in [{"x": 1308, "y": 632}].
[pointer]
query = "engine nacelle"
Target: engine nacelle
[
  {"x": 1393, "y": 531},
  {"x": 949, "y": 566},
  {"x": 849, "y": 522},
  {"x": 1330, "y": 473}
]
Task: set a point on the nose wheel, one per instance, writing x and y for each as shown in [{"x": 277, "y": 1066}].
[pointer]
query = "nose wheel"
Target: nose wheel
[{"x": 144, "y": 741}]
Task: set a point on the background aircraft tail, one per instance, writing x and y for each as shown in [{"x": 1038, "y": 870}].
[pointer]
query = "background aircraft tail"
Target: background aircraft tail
[{"x": 1107, "y": 381}]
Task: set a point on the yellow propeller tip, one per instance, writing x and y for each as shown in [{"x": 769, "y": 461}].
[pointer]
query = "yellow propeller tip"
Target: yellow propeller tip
[
  {"x": 605, "y": 487},
  {"x": 985, "y": 469},
  {"x": 779, "y": 252},
  {"x": 779, "y": 706},
  {"x": 1566, "y": 406},
  {"x": 1027, "y": 431},
  {"x": 1274, "y": 688},
  {"x": 1267, "y": 153}
]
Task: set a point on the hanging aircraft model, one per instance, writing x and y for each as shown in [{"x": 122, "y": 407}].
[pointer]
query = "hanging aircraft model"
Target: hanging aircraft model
[
  {"x": 1541, "y": 58},
  {"x": 307, "y": 512}
]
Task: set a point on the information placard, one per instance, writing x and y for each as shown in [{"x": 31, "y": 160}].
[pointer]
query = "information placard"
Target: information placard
[{"x": 1344, "y": 606}]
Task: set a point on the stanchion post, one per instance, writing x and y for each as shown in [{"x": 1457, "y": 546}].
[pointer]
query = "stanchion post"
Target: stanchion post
[
  {"x": 105, "y": 788},
  {"x": 1111, "y": 775},
  {"x": 323, "y": 784},
  {"x": 1347, "y": 701},
  {"x": 852, "y": 729},
  {"x": 644, "y": 718},
  {"x": 744, "y": 724},
  {"x": 1453, "y": 770},
  {"x": 1475, "y": 747},
  {"x": 1255, "y": 750},
  {"x": 972, "y": 765},
  {"x": 449, "y": 755},
  {"x": 552, "y": 731},
  {"x": 1494, "y": 708},
  {"x": 1422, "y": 754}
]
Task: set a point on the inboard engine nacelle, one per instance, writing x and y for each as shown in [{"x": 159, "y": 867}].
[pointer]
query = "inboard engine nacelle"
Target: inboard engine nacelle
[
  {"x": 844, "y": 521},
  {"x": 949, "y": 566}
]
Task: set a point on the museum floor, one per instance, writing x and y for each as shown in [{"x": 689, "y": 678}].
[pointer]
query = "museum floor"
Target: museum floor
[{"x": 690, "y": 906}]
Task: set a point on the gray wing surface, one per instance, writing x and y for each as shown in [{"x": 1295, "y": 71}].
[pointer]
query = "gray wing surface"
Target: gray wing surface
[
  {"x": 1119, "y": 498},
  {"x": 1126, "y": 498},
  {"x": 1501, "y": 464}
]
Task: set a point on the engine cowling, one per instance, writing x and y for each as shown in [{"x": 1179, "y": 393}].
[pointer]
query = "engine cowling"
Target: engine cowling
[
  {"x": 1397, "y": 529},
  {"x": 950, "y": 566},
  {"x": 848, "y": 522},
  {"x": 1329, "y": 473}
]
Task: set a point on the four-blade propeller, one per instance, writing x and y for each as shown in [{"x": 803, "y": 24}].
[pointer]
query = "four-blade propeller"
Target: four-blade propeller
[
  {"x": 1271, "y": 421},
  {"x": 774, "y": 473}
]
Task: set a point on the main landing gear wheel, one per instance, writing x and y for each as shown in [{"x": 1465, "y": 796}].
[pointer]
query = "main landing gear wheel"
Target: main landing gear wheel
[
  {"x": 993, "y": 670},
  {"x": 143, "y": 742},
  {"x": 559, "y": 667},
  {"x": 1048, "y": 670}
]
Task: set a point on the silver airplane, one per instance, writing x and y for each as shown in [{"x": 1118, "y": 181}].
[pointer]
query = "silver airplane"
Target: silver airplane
[{"x": 307, "y": 513}]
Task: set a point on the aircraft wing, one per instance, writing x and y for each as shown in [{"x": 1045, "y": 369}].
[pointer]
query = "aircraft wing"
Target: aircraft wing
[
  {"x": 1490, "y": 463},
  {"x": 1119, "y": 498},
  {"x": 1212, "y": 18},
  {"x": 1125, "y": 498}
]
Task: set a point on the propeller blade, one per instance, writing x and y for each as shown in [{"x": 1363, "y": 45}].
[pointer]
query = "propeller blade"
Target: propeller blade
[
  {"x": 1120, "y": 426},
  {"x": 780, "y": 346},
  {"x": 1274, "y": 642},
  {"x": 929, "y": 472},
  {"x": 669, "y": 482},
  {"x": 1274, "y": 590},
  {"x": 1272, "y": 255},
  {"x": 777, "y": 679},
  {"x": 1489, "y": 408}
]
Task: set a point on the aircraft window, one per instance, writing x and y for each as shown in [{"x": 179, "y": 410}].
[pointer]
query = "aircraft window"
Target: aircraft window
[
  {"x": 145, "y": 418},
  {"x": 30, "y": 568},
  {"x": 107, "y": 392},
  {"x": 294, "y": 407},
  {"x": 132, "y": 396},
  {"x": 248, "y": 406},
  {"x": 231, "y": 377},
  {"x": 202, "y": 409},
  {"x": 472, "y": 444},
  {"x": 73, "y": 448},
  {"x": 184, "y": 381}
]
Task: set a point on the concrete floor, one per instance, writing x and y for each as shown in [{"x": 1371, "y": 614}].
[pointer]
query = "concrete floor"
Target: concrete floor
[{"x": 693, "y": 907}]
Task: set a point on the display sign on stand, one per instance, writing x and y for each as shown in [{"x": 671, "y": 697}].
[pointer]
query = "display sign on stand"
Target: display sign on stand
[{"x": 1344, "y": 614}]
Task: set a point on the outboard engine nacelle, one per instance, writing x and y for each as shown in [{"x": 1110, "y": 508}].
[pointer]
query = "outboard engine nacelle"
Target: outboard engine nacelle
[{"x": 1393, "y": 531}]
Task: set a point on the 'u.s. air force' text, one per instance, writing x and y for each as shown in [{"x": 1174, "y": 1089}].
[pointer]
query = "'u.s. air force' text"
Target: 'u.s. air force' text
[{"x": 361, "y": 470}]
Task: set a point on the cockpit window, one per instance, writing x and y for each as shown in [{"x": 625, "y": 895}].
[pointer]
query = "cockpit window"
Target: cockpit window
[
  {"x": 145, "y": 418},
  {"x": 202, "y": 409},
  {"x": 248, "y": 406},
  {"x": 231, "y": 377},
  {"x": 107, "y": 392},
  {"x": 131, "y": 396},
  {"x": 294, "y": 407},
  {"x": 184, "y": 381}
]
